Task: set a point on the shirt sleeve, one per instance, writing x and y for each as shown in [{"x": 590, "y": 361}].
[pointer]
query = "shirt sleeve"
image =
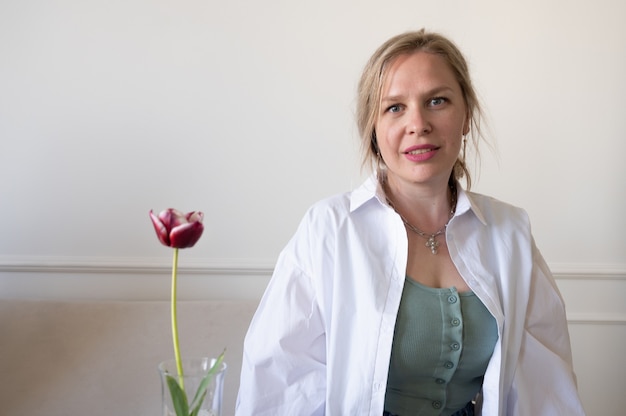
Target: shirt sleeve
[
  {"x": 284, "y": 358},
  {"x": 544, "y": 382}
]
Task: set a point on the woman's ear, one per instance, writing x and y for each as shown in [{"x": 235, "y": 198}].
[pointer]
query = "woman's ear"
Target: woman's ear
[
  {"x": 466, "y": 124},
  {"x": 374, "y": 143}
]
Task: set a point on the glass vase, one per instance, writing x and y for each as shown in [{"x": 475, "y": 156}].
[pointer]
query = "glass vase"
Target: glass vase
[{"x": 194, "y": 371}]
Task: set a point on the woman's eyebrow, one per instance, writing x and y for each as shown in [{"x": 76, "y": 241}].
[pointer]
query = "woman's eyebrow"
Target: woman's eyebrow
[
  {"x": 428, "y": 93},
  {"x": 392, "y": 98}
]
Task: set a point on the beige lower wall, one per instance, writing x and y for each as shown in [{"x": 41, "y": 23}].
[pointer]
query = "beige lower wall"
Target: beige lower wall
[{"x": 598, "y": 359}]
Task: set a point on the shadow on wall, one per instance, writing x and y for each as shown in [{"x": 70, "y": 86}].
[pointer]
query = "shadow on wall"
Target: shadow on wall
[{"x": 100, "y": 358}]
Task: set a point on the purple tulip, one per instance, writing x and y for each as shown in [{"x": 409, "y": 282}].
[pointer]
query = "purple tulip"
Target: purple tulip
[{"x": 176, "y": 229}]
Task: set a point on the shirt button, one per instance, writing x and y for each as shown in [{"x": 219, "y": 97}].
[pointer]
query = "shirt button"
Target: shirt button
[
  {"x": 449, "y": 364},
  {"x": 455, "y": 346},
  {"x": 437, "y": 404},
  {"x": 452, "y": 299},
  {"x": 440, "y": 381},
  {"x": 456, "y": 322}
]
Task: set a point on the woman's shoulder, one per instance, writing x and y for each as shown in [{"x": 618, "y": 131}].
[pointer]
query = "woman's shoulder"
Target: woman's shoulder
[
  {"x": 491, "y": 209},
  {"x": 485, "y": 200},
  {"x": 334, "y": 211},
  {"x": 341, "y": 204},
  {"x": 335, "y": 206}
]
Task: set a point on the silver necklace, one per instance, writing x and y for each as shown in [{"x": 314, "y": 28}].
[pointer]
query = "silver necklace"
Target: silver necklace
[{"x": 431, "y": 243}]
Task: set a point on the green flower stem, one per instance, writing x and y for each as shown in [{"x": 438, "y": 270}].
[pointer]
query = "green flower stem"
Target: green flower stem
[{"x": 179, "y": 364}]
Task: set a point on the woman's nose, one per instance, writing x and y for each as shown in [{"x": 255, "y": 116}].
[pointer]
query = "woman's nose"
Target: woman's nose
[{"x": 418, "y": 122}]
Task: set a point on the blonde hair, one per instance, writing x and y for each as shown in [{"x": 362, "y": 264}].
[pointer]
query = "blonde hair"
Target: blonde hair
[{"x": 371, "y": 84}]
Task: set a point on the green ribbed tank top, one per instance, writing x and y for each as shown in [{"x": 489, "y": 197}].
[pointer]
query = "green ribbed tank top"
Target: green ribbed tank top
[{"x": 442, "y": 343}]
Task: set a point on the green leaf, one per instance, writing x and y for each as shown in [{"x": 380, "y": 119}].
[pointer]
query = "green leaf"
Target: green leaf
[
  {"x": 179, "y": 398},
  {"x": 195, "y": 410},
  {"x": 204, "y": 385}
]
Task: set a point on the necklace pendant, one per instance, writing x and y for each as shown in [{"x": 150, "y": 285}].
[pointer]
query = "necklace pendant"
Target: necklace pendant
[{"x": 432, "y": 244}]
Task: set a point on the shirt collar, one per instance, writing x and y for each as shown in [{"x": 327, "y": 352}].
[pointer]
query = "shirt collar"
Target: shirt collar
[
  {"x": 465, "y": 201},
  {"x": 371, "y": 189}
]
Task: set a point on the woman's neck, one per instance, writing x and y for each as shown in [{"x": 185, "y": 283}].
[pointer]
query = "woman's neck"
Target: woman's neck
[{"x": 428, "y": 206}]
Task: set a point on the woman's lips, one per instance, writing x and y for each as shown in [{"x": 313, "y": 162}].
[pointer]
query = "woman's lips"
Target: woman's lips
[{"x": 420, "y": 153}]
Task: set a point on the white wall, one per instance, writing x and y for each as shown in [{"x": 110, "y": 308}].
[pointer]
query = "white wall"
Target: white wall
[{"x": 244, "y": 110}]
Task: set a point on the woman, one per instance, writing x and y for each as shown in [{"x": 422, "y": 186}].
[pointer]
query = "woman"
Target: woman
[{"x": 410, "y": 295}]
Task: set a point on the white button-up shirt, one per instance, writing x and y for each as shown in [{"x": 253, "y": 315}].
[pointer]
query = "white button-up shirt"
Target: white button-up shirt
[{"x": 320, "y": 341}]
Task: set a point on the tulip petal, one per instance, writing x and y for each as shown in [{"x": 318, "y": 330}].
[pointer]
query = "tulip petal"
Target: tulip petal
[
  {"x": 160, "y": 228},
  {"x": 176, "y": 218},
  {"x": 194, "y": 216},
  {"x": 186, "y": 235}
]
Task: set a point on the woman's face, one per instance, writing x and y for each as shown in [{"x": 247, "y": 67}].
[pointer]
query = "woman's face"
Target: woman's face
[{"x": 421, "y": 121}]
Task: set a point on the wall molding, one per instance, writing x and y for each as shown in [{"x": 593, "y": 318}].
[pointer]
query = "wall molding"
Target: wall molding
[
  {"x": 585, "y": 271},
  {"x": 596, "y": 318},
  {"x": 584, "y": 286},
  {"x": 147, "y": 265},
  {"x": 124, "y": 265}
]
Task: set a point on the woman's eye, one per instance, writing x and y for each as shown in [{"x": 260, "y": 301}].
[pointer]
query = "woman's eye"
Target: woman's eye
[
  {"x": 434, "y": 102},
  {"x": 393, "y": 108}
]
